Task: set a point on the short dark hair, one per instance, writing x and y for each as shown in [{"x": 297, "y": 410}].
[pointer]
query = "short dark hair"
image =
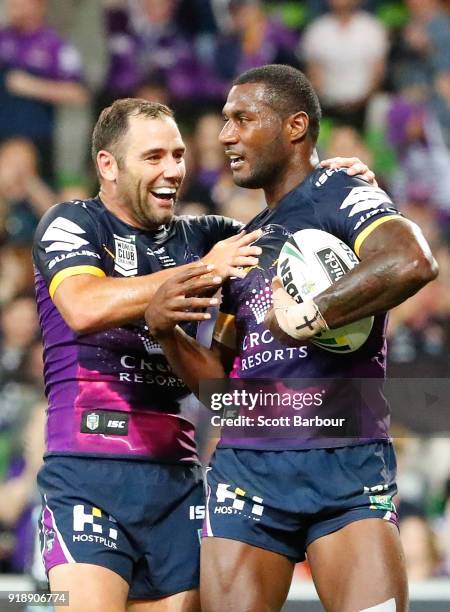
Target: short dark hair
[
  {"x": 288, "y": 91},
  {"x": 113, "y": 123}
]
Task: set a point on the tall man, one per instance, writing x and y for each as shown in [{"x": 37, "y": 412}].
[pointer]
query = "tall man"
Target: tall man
[
  {"x": 121, "y": 482},
  {"x": 328, "y": 497}
]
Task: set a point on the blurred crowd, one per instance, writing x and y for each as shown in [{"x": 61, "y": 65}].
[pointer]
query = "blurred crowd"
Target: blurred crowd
[{"x": 382, "y": 71}]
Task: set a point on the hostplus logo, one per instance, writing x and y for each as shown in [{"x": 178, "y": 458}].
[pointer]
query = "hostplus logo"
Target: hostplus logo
[
  {"x": 94, "y": 526},
  {"x": 251, "y": 507}
]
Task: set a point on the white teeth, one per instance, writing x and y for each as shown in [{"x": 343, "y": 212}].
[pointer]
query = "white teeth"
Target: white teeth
[
  {"x": 235, "y": 157},
  {"x": 164, "y": 190}
]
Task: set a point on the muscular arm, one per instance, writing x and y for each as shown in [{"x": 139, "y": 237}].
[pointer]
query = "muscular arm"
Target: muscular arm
[
  {"x": 90, "y": 302},
  {"x": 396, "y": 262}
]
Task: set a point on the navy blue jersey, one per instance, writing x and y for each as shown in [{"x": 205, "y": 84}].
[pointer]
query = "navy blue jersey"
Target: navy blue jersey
[
  {"x": 112, "y": 392},
  {"x": 350, "y": 209}
]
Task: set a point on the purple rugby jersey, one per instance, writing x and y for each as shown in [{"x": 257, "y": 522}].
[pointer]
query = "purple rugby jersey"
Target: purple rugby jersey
[
  {"x": 348, "y": 208},
  {"x": 112, "y": 392}
]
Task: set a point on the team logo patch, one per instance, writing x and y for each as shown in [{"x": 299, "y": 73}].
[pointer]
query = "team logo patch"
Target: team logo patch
[
  {"x": 64, "y": 235},
  {"x": 105, "y": 422},
  {"x": 125, "y": 260}
]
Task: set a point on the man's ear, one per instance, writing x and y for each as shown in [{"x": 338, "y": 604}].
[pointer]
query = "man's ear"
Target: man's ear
[
  {"x": 297, "y": 125},
  {"x": 107, "y": 165}
]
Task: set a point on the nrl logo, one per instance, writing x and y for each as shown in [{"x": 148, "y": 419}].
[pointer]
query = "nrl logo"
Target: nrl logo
[
  {"x": 125, "y": 260},
  {"x": 92, "y": 421}
]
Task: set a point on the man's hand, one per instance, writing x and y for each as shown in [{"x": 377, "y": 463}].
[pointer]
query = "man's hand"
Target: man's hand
[
  {"x": 231, "y": 255},
  {"x": 288, "y": 320},
  {"x": 173, "y": 301},
  {"x": 354, "y": 166}
]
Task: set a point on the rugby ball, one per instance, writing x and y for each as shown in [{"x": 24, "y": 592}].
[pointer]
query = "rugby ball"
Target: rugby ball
[{"x": 309, "y": 262}]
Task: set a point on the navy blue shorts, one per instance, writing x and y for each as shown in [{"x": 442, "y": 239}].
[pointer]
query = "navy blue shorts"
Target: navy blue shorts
[
  {"x": 142, "y": 520},
  {"x": 284, "y": 500}
]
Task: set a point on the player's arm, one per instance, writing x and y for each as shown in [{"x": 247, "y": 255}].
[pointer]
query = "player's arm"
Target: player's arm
[
  {"x": 91, "y": 301},
  {"x": 69, "y": 254},
  {"x": 175, "y": 302},
  {"x": 396, "y": 262}
]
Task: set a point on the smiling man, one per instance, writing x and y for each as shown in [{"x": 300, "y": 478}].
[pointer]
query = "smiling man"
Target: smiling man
[{"x": 121, "y": 483}]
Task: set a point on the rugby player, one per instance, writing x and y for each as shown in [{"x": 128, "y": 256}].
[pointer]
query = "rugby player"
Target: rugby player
[
  {"x": 121, "y": 483},
  {"x": 271, "y": 500}
]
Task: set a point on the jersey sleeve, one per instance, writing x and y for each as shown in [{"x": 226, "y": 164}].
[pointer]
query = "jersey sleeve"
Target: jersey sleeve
[
  {"x": 66, "y": 243},
  {"x": 349, "y": 208}
]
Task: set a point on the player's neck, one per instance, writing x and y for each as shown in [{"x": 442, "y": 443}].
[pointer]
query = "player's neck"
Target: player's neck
[
  {"x": 122, "y": 211},
  {"x": 293, "y": 174}
]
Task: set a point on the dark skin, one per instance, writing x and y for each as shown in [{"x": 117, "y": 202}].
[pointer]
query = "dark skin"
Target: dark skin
[{"x": 395, "y": 263}]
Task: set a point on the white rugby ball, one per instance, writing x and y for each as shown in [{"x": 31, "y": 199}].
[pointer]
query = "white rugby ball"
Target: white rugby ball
[{"x": 309, "y": 262}]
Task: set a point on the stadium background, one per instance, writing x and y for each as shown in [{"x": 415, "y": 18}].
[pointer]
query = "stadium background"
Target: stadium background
[{"x": 394, "y": 113}]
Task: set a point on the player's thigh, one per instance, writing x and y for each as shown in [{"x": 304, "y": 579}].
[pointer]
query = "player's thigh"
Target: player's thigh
[
  {"x": 91, "y": 588},
  {"x": 360, "y": 566},
  {"x": 237, "y": 576},
  {"x": 187, "y": 601}
]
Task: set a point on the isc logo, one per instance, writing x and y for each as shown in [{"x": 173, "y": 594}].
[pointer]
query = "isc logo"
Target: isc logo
[{"x": 116, "y": 424}]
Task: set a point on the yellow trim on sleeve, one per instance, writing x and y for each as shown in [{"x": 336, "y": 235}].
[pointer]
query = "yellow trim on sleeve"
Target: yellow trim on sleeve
[
  {"x": 369, "y": 229},
  {"x": 74, "y": 271},
  {"x": 225, "y": 330}
]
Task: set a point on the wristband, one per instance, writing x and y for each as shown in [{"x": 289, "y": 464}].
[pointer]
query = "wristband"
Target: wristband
[{"x": 300, "y": 321}]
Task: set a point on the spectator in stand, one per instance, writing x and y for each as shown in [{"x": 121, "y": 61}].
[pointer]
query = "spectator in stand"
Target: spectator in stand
[
  {"x": 38, "y": 70},
  {"x": 422, "y": 555},
  {"x": 252, "y": 39},
  {"x": 18, "y": 490},
  {"x": 345, "y": 52},
  {"x": 424, "y": 55},
  {"x": 123, "y": 74},
  {"x": 345, "y": 141},
  {"x": 419, "y": 329},
  {"x": 416, "y": 135},
  {"x": 24, "y": 197},
  {"x": 206, "y": 161},
  {"x": 16, "y": 272},
  {"x": 19, "y": 328},
  {"x": 164, "y": 48}
]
